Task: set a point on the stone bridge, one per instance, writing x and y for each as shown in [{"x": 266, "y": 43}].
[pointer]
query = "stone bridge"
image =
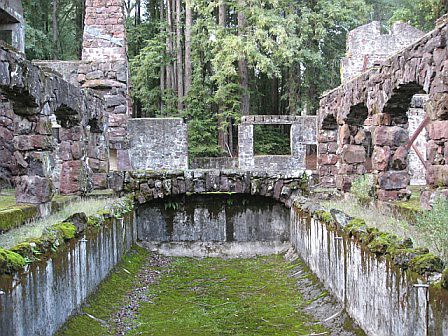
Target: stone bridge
[
  {"x": 150, "y": 185},
  {"x": 378, "y": 100}
]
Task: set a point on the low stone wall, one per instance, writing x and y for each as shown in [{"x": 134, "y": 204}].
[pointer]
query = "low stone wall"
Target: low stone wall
[
  {"x": 149, "y": 185},
  {"x": 214, "y": 163},
  {"x": 383, "y": 299},
  {"x": 39, "y": 300}
]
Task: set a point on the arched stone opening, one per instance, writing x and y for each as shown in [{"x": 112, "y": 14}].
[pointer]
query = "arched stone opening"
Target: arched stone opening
[
  {"x": 390, "y": 161},
  {"x": 354, "y": 147},
  {"x": 326, "y": 151}
]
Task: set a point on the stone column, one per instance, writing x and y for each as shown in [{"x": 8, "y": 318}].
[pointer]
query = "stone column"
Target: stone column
[
  {"x": 246, "y": 146},
  {"x": 352, "y": 155},
  {"x": 105, "y": 69},
  {"x": 390, "y": 158},
  {"x": 327, "y": 157}
]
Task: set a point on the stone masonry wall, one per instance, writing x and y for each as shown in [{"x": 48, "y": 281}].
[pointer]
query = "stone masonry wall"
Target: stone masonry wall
[
  {"x": 158, "y": 143},
  {"x": 36, "y": 96},
  {"x": 386, "y": 93},
  {"x": 303, "y": 132},
  {"x": 367, "y": 46},
  {"x": 8, "y": 162},
  {"x": 105, "y": 68},
  {"x": 12, "y": 23}
]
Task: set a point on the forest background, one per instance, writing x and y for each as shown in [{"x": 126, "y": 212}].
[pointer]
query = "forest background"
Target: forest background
[{"x": 212, "y": 62}]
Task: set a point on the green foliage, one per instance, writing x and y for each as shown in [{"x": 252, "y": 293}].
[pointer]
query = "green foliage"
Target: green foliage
[
  {"x": 363, "y": 189},
  {"x": 66, "y": 230},
  {"x": 271, "y": 140},
  {"x": 434, "y": 227},
  {"x": 39, "y": 35},
  {"x": 426, "y": 263}
]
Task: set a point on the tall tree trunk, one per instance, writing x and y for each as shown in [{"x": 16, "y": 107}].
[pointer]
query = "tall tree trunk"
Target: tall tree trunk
[
  {"x": 293, "y": 89},
  {"x": 188, "y": 67},
  {"x": 274, "y": 95},
  {"x": 242, "y": 62},
  {"x": 54, "y": 18},
  {"x": 223, "y": 139},
  {"x": 162, "y": 69},
  {"x": 170, "y": 74},
  {"x": 180, "y": 72}
]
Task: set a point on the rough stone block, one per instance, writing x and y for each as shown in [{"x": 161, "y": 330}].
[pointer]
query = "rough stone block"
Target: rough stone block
[
  {"x": 438, "y": 130},
  {"x": 33, "y": 142},
  {"x": 393, "y": 180},
  {"x": 437, "y": 175},
  {"x": 392, "y": 136},
  {"x": 33, "y": 189},
  {"x": 353, "y": 154}
]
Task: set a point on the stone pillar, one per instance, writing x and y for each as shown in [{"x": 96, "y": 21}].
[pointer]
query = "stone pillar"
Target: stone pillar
[
  {"x": 33, "y": 150},
  {"x": 74, "y": 177},
  {"x": 246, "y": 146},
  {"x": 105, "y": 69},
  {"x": 327, "y": 157},
  {"x": 390, "y": 158},
  {"x": 352, "y": 155}
]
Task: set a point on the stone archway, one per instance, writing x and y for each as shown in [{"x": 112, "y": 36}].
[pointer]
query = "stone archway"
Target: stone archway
[{"x": 391, "y": 144}]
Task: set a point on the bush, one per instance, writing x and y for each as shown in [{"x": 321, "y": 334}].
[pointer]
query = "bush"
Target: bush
[
  {"x": 434, "y": 227},
  {"x": 363, "y": 189}
]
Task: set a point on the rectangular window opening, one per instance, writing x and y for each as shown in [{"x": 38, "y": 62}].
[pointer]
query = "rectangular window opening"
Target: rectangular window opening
[
  {"x": 272, "y": 140},
  {"x": 113, "y": 162}
]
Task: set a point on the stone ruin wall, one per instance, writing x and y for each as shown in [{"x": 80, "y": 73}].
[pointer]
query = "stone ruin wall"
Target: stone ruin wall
[
  {"x": 55, "y": 132},
  {"x": 12, "y": 23},
  {"x": 158, "y": 144},
  {"x": 303, "y": 133},
  {"x": 367, "y": 46},
  {"x": 384, "y": 95}
]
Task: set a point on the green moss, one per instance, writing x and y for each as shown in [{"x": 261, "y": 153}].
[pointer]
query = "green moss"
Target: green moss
[
  {"x": 109, "y": 297},
  {"x": 10, "y": 261},
  {"x": 355, "y": 226},
  {"x": 67, "y": 229},
  {"x": 324, "y": 216},
  {"x": 426, "y": 263},
  {"x": 383, "y": 243},
  {"x": 95, "y": 220},
  {"x": 444, "y": 282},
  {"x": 15, "y": 216}
]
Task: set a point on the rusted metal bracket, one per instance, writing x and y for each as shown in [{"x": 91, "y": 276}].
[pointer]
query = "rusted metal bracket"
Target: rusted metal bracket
[{"x": 414, "y": 136}]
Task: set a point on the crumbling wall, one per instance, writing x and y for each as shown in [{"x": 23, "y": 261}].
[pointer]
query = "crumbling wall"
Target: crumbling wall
[
  {"x": 158, "y": 144},
  {"x": 387, "y": 93},
  {"x": 303, "y": 132},
  {"x": 367, "y": 46}
]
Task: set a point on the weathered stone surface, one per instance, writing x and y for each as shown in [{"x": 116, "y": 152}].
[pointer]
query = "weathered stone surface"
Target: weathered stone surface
[
  {"x": 33, "y": 142},
  {"x": 400, "y": 159},
  {"x": 34, "y": 189},
  {"x": 393, "y": 180},
  {"x": 344, "y": 134},
  {"x": 437, "y": 175},
  {"x": 390, "y": 136},
  {"x": 438, "y": 130},
  {"x": 166, "y": 147},
  {"x": 353, "y": 154},
  {"x": 380, "y": 158},
  {"x": 73, "y": 178}
]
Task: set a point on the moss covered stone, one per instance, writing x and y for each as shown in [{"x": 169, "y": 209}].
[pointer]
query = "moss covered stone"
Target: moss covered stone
[
  {"x": 426, "y": 263},
  {"x": 445, "y": 278},
  {"x": 324, "y": 216},
  {"x": 15, "y": 216},
  {"x": 10, "y": 261},
  {"x": 68, "y": 230}
]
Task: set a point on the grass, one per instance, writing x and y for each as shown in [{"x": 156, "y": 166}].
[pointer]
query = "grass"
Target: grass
[
  {"x": 384, "y": 219},
  {"x": 225, "y": 297},
  {"x": 109, "y": 297},
  {"x": 201, "y": 297},
  {"x": 34, "y": 229}
]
